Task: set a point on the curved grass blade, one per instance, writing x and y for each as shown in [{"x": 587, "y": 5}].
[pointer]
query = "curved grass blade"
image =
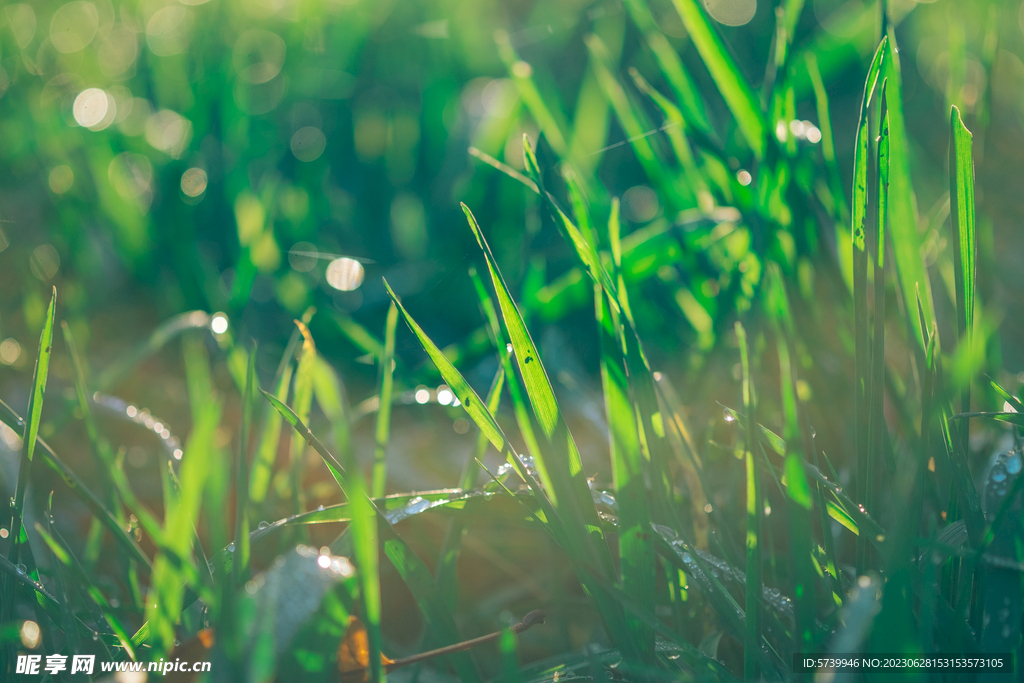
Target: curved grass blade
[
  {"x": 383, "y": 428},
  {"x": 266, "y": 453},
  {"x": 733, "y": 86}
]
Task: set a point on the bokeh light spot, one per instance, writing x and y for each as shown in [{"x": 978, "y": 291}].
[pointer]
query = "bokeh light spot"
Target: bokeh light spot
[
  {"x": 193, "y": 182},
  {"x": 90, "y": 107},
  {"x": 345, "y": 274},
  {"x": 303, "y": 256},
  {"x": 219, "y": 324},
  {"x": 731, "y": 12},
  {"x": 10, "y": 351},
  {"x": 44, "y": 262},
  {"x": 640, "y": 204},
  {"x": 258, "y": 55},
  {"x": 169, "y": 132},
  {"x": 30, "y": 634},
  {"x": 308, "y": 143},
  {"x": 73, "y": 26},
  {"x": 22, "y": 20},
  {"x": 166, "y": 32},
  {"x": 61, "y": 179}
]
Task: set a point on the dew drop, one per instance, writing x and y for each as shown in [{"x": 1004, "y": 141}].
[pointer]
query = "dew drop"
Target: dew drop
[
  {"x": 998, "y": 473},
  {"x": 728, "y": 416},
  {"x": 264, "y": 525},
  {"x": 1013, "y": 463},
  {"x": 21, "y": 568},
  {"x": 95, "y": 635},
  {"x": 686, "y": 558},
  {"x": 319, "y": 508},
  {"x": 231, "y": 547}
]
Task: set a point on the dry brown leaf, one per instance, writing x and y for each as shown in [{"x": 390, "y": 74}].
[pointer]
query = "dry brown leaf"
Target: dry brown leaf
[{"x": 354, "y": 653}]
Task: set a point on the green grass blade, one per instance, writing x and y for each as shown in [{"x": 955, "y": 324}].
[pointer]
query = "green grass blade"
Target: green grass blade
[
  {"x": 413, "y": 571},
  {"x": 961, "y": 198},
  {"x": 383, "y": 430},
  {"x": 636, "y": 553},
  {"x": 633, "y": 121},
  {"x": 449, "y": 555},
  {"x": 365, "y": 545},
  {"x": 241, "y": 563},
  {"x": 733, "y": 86},
  {"x": 337, "y": 471},
  {"x": 266, "y": 452},
  {"x": 522, "y": 75},
  {"x": 906, "y": 242},
  {"x": 29, "y": 436},
  {"x": 679, "y": 79},
  {"x": 859, "y": 262},
  {"x": 674, "y": 129},
  {"x": 755, "y": 510},
  {"x": 963, "y": 482},
  {"x": 302, "y": 400}
]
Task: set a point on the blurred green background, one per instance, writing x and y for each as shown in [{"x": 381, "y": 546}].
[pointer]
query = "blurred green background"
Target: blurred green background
[{"x": 161, "y": 157}]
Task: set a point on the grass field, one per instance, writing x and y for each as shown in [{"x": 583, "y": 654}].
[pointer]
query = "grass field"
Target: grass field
[{"x": 334, "y": 333}]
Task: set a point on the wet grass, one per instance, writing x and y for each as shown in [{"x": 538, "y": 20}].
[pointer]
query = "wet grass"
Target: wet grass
[{"x": 852, "y": 499}]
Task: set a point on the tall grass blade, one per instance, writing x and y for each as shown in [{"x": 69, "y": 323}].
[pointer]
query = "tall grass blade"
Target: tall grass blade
[
  {"x": 733, "y": 86},
  {"x": 636, "y": 552},
  {"x": 28, "y": 445},
  {"x": 906, "y": 242},
  {"x": 241, "y": 563},
  {"x": 302, "y": 401},
  {"x": 965, "y": 249},
  {"x": 755, "y": 509},
  {"x": 862, "y": 333},
  {"x": 378, "y": 481},
  {"x": 522, "y": 76}
]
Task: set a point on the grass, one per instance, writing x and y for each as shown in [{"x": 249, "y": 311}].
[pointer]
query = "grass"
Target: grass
[{"x": 834, "y": 509}]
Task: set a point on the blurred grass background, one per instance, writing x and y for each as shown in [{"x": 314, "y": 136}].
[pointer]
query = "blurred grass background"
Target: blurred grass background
[{"x": 161, "y": 157}]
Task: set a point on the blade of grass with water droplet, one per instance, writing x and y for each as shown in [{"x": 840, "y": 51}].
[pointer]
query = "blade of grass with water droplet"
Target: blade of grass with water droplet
[
  {"x": 28, "y": 446},
  {"x": 570, "y": 523},
  {"x": 731, "y": 83},
  {"x": 382, "y": 432},
  {"x": 562, "y": 475}
]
